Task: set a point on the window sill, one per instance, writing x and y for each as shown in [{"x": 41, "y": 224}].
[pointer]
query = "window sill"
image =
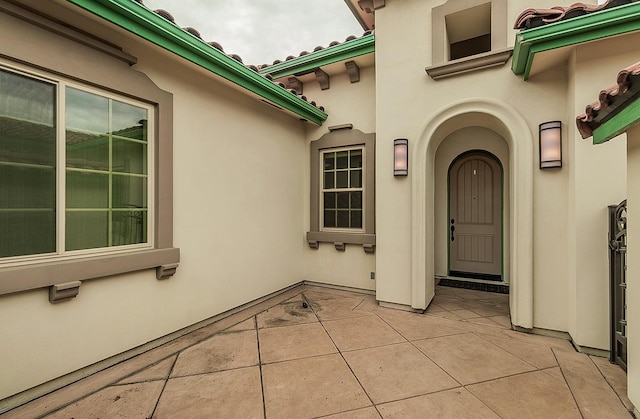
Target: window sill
[
  {"x": 50, "y": 273},
  {"x": 340, "y": 239},
  {"x": 469, "y": 64}
]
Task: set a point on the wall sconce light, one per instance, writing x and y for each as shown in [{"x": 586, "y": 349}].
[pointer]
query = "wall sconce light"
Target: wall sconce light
[
  {"x": 401, "y": 157},
  {"x": 550, "y": 144}
]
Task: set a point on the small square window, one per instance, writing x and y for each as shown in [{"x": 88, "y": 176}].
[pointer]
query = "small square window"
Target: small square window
[{"x": 469, "y": 31}]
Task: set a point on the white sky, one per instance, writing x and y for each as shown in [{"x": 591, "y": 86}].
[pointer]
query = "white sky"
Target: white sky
[{"x": 261, "y": 31}]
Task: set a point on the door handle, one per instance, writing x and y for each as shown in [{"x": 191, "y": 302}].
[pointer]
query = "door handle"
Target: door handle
[{"x": 453, "y": 228}]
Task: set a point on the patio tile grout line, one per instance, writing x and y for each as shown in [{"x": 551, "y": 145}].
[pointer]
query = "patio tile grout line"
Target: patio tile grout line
[
  {"x": 607, "y": 381},
  {"x": 164, "y": 386},
  {"x": 345, "y": 361},
  {"x": 264, "y": 402},
  {"x": 566, "y": 382},
  {"x": 426, "y": 356}
]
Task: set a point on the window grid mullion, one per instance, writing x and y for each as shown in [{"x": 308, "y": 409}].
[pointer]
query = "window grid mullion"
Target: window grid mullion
[
  {"x": 61, "y": 170},
  {"x": 110, "y": 199}
]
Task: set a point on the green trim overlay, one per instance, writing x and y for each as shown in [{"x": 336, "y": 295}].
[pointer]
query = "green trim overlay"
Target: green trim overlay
[
  {"x": 618, "y": 124},
  {"x": 306, "y": 63},
  {"x": 590, "y": 27},
  {"x": 146, "y": 24}
]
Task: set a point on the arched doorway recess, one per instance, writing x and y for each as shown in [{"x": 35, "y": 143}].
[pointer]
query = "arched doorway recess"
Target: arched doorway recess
[{"x": 511, "y": 126}]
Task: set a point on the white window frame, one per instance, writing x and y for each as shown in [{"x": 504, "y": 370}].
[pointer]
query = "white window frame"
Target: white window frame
[
  {"x": 61, "y": 253},
  {"x": 323, "y": 190}
]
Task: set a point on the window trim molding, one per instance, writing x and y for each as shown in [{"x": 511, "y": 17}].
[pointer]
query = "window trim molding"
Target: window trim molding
[
  {"x": 111, "y": 75},
  {"x": 439, "y": 52},
  {"x": 343, "y": 137}
]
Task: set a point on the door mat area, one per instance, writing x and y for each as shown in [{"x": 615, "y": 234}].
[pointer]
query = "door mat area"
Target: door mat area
[{"x": 478, "y": 286}]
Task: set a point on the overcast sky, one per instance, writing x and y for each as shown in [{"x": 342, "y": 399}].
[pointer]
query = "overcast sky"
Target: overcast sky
[{"x": 261, "y": 31}]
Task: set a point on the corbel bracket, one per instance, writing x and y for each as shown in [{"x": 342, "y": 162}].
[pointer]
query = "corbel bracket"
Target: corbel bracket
[
  {"x": 322, "y": 78},
  {"x": 353, "y": 71}
]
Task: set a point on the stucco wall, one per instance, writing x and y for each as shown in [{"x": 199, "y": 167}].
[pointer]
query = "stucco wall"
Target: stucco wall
[
  {"x": 633, "y": 265},
  {"x": 238, "y": 220},
  {"x": 346, "y": 103},
  {"x": 598, "y": 180},
  {"x": 567, "y": 205}
]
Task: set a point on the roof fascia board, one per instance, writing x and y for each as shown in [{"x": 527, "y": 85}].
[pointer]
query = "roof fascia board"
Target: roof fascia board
[
  {"x": 598, "y": 25},
  {"x": 618, "y": 124},
  {"x": 146, "y": 24},
  {"x": 341, "y": 52}
]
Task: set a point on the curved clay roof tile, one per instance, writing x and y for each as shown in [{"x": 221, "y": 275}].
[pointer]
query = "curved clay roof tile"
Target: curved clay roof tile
[
  {"x": 303, "y": 53},
  {"x": 585, "y": 122},
  {"x": 532, "y": 18},
  {"x": 318, "y": 48},
  {"x": 236, "y": 57},
  {"x": 165, "y": 14},
  {"x": 350, "y": 38},
  {"x": 216, "y": 46},
  {"x": 193, "y": 31},
  {"x": 334, "y": 43},
  {"x": 290, "y": 57}
]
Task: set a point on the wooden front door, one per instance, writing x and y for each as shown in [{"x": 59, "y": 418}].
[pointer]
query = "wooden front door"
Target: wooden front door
[{"x": 475, "y": 217}]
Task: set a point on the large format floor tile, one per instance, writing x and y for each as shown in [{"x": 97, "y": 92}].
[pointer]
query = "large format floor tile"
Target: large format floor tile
[
  {"x": 226, "y": 394},
  {"x": 131, "y": 400},
  {"x": 471, "y": 359},
  {"x": 455, "y": 403},
  {"x": 316, "y": 352},
  {"x": 338, "y": 308},
  {"x": 595, "y": 398},
  {"x": 311, "y": 387},
  {"x": 294, "y": 342},
  {"x": 397, "y": 371},
  {"x": 531, "y": 395},
  {"x": 221, "y": 352},
  {"x": 361, "y": 332},
  {"x": 286, "y": 314}
]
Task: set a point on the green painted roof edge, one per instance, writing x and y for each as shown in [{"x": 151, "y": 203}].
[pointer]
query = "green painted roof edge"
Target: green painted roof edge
[
  {"x": 148, "y": 25},
  {"x": 618, "y": 124},
  {"x": 345, "y": 51},
  {"x": 597, "y": 25}
]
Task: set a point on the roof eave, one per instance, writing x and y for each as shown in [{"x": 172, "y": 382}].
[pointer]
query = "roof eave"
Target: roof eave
[
  {"x": 590, "y": 27},
  {"x": 305, "y": 63},
  {"x": 144, "y": 23}
]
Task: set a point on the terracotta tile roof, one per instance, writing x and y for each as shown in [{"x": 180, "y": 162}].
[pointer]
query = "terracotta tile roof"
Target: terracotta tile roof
[
  {"x": 532, "y": 18},
  {"x": 609, "y": 100},
  {"x": 316, "y": 49},
  {"x": 166, "y": 15}
]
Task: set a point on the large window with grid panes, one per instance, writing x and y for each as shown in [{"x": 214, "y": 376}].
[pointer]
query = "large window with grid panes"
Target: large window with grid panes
[
  {"x": 342, "y": 186},
  {"x": 342, "y": 189},
  {"x": 74, "y": 169}
]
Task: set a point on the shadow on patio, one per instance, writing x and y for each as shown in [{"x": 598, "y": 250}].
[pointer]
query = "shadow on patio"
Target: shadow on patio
[{"x": 320, "y": 352}]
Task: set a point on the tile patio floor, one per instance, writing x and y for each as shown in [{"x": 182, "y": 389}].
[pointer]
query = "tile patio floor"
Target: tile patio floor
[{"x": 345, "y": 357}]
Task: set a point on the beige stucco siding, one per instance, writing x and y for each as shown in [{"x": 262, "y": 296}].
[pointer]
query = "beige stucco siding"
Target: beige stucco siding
[
  {"x": 633, "y": 265},
  {"x": 238, "y": 220},
  {"x": 568, "y": 205},
  {"x": 597, "y": 180},
  {"x": 346, "y": 103}
]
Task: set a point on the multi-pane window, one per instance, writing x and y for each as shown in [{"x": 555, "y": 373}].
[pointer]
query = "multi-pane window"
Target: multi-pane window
[
  {"x": 342, "y": 188},
  {"x": 74, "y": 171}
]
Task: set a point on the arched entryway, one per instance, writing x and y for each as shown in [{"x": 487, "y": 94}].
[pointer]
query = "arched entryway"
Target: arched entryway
[{"x": 508, "y": 125}]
